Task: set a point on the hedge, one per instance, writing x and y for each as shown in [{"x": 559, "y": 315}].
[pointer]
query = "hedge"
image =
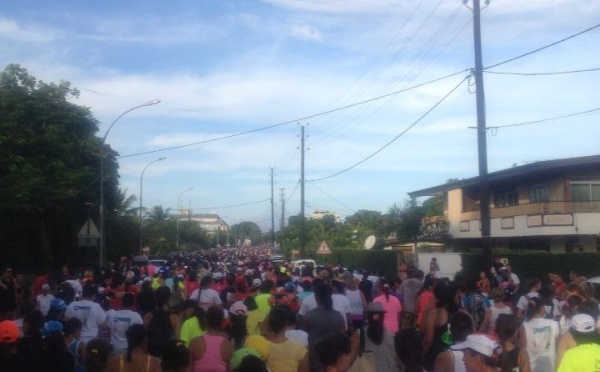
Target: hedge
[
  {"x": 536, "y": 264},
  {"x": 379, "y": 262}
]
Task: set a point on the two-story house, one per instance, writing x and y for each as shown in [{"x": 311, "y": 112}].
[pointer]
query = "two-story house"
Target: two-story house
[{"x": 552, "y": 205}]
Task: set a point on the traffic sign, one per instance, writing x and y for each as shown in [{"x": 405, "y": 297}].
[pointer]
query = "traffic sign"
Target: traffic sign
[
  {"x": 89, "y": 235},
  {"x": 323, "y": 248}
]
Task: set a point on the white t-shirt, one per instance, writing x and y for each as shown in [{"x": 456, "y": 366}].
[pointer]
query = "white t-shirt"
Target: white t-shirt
[
  {"x": 523, "y": 300},
  {"x": 341, "y": 304},
  {"x": 298, "y": 336},
  {"x": 119, "y": 322},
  {"x": 541, "y": 337},
  {"x": 208, "y": 297},
  {"x": 44, "y": 302},
  {"x": 91, "y": 316}
]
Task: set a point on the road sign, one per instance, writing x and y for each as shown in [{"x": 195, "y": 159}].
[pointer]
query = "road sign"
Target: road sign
[
  {"x": 295, "y": 251},
  {"x": 89, "y": 235},
  {"x": 323, "y": 248}
]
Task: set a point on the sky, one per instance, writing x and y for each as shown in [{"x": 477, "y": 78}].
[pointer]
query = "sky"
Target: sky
[{"x": 225, "y": 67}]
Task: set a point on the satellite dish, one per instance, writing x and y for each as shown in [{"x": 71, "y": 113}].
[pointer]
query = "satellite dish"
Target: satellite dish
[{"x": 370, "y": 241}]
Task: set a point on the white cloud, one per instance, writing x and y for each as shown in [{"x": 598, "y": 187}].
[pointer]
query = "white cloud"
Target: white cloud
[
  {"x": 15, "y": 31},
  {"x": 306, "y": 32}
]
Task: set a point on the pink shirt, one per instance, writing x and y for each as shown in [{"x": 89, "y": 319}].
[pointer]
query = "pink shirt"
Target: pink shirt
[
  {"x": 392, "y": 307},
  {"x": 211, "y": 361}
]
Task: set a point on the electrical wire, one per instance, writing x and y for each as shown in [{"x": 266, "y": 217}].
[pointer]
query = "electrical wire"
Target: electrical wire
[
  {"x": 542, "y": 73},
  {"x": 544, "y": 47},
  {"x": 233, "y": 206},
  {"x": 395, "y": 138},
  {"x": 331, "y": 197},
  {"x": 543, "y": 120},
  {"x": 293, "y": 192},
  {"x": 296, "y": 120}
]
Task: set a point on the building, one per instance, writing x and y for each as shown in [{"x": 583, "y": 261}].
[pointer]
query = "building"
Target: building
[
  {"x": 552, "y": 205},
  {"x": 212, "y": 223},
  {"x": 317, "y": 215}
]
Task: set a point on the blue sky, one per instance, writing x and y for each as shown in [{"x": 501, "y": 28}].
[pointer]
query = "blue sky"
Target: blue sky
[{"x": 223, "y": 67}]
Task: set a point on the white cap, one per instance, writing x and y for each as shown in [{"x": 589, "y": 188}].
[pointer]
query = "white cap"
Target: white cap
[
  {"x": 256, "y": 282},
  {"x": 583, "y": 323},
  {"x": 483, "y": 344}
]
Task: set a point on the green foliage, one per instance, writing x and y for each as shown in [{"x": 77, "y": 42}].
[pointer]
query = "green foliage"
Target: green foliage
[
  {"x": 529, "y": 264},
  {"x": 49, "y": 167},
  {"x": 246, "y": 230},
  {"x": 381, "y": 262}
]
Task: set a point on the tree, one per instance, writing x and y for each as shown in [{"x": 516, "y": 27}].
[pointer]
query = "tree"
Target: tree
[{"x": 49, "y": 166}]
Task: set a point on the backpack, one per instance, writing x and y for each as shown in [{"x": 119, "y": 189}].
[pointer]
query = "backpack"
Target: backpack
[
  {"x": 476, "y": 307},
  {"x": 160, "y": 330}
]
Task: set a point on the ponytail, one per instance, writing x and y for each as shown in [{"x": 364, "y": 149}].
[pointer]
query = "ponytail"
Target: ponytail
[{"x": 534, "y": 305}]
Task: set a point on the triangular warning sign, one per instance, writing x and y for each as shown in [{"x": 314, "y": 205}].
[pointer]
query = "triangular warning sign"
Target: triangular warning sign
[
  {"x": 323, "y": 248},
  {"x": 89, "y": 229}
]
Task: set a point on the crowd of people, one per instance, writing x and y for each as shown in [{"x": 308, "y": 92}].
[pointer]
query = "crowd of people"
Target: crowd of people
[{"x": 236, "y": 310}]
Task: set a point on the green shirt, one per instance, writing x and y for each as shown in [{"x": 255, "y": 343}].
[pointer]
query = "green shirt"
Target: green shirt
[
  {"x": 583, "y": 358},
  {"x": 190, "y": 329}
]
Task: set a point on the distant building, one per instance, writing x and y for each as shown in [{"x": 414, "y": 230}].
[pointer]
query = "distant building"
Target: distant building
[
  {"x": 552, "y": 205},
  {"x": 317, "y": 215},
  {"x": 209, "y": 222}
]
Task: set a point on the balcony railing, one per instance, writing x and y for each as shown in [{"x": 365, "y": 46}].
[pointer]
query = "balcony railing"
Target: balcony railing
[{"x": 553, "y": 207}]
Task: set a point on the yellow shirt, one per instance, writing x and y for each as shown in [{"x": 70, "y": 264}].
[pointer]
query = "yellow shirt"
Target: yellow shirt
[
  {"x": 286, "y": 356},
  {"x": 254, "y": 317},
  {"x": 583, "y": 358},
  {"x": 262, "y": 301},
  {"x": 190, "y": 329}
]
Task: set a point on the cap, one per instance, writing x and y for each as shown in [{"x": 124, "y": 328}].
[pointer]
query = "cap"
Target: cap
[
  {"x": 483, "y": 344},
  {"x": 258, "y": 343},
  {"x": 583, "y": 323},
  {"x": 238, "y": 308},
  {"x": 289, "y": 287},
  {"x": 45, "y": 287},
  {"x": 375, "y": 307},
  {"x": 218, "y": 275},
  {"x": 504, "y": 268},
  {"x": 256, "y": 282},
  {"x": 50, "y": 327},
  {"x": 249, "y": 272},
  {"x": 59, "y": 304},
  {"x": 239, "y": 355},
  {"x": 9, "y": 331}
]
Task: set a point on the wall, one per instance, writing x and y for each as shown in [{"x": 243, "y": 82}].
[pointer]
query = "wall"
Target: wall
[{"x": 450, "y": 263}]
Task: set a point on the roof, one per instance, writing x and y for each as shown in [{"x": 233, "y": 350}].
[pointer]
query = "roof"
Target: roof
[{"x": 546, "y": 168}]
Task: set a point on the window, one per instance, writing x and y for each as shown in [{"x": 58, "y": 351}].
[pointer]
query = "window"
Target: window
[
  {"x": 539, "y": 193},
  {"x": 585, "y": 191},
  {"x": 506, "y": 199}
]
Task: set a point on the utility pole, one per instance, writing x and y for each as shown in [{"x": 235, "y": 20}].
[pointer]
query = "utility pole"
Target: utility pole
[
  {"x": 484, "y": 187},
  {"x": 302, "y": 218},
  {"x": 272, "y": 214},
  {"x": 282, "y": 192}
]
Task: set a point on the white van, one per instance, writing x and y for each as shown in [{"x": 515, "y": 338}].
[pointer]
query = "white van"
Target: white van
[{"x": 301, "y": 263}]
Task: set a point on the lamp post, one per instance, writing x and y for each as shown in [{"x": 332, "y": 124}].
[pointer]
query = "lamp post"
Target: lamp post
[
  {"x": 102, "y": 229},
  {"x": 179, "y": 212},
  {"x": 141, "y": 190}
]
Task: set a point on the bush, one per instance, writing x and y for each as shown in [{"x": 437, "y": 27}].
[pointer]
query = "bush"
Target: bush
[
  {"x": 379, "y": 262},
  {"x": 530, "y": 264}
]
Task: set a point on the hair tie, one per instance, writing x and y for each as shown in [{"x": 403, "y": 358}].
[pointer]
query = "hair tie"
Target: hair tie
[{"x": 94, "y": 351}]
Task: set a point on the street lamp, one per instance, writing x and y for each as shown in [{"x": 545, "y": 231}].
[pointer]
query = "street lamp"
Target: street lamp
[
  {"x": 102, "y": 240},
  {"x": 179, "y": 213},
  {"x": 141, "y": 190}
]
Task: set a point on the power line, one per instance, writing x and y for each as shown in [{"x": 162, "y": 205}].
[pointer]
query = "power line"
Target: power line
[
  {"x": 395, "y": 138},
  {"x": 233, "y": 206},
  {"x": 293, "y": 192},
  {"x": 542, "y": 120},
  {"x": 544, "y": 47},
  {"x": 296, "y": 120},
  {"x": 331, "y": 197},
  {"x": 542, "y": 73}
]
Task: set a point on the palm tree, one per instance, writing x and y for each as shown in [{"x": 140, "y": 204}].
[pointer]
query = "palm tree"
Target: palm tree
[
  {"x": 124, "y": 203},
  {"x": 158, "y": 215}
]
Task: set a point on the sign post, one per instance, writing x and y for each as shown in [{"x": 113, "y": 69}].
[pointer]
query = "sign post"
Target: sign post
[{"x": 323, "y": 250}]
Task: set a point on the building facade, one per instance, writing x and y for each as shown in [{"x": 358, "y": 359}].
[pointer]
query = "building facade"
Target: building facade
[{"x": 552, "y": 205}]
